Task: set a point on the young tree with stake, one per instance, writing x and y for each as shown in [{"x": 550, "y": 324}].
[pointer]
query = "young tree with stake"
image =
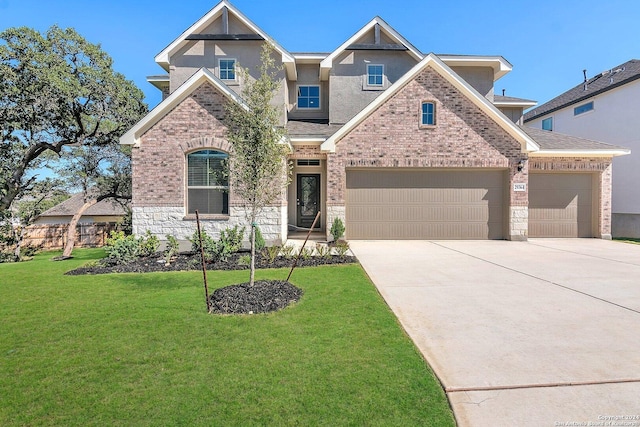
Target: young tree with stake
[{"x": 257, "y": 165}]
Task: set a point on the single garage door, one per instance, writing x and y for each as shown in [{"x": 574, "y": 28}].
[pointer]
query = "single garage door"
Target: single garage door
[
  {"x": 401, "y": 204},
  {"x": 560, "y": 204}
]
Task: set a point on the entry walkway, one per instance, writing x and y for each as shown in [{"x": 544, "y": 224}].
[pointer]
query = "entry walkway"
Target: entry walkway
[{"x": 540, "y": 333}]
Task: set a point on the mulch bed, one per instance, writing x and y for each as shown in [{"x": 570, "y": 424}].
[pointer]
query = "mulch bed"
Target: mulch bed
[
  {"x": 191, "y": 261},
  {"x": 263, "y": 297}
]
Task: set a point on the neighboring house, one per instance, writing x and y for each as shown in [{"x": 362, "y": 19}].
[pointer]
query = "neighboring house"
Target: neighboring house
[
  {"x": 604, "y": 108},
  {"x": 397, "y": 143},
  {"x": 50, "y": 227}
]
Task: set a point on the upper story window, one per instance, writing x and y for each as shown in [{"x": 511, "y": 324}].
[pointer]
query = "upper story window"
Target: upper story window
[
  {"x": 374, "y": 75},
  {"x": 547, "y": 124},
  {"x": 309, "y": 97},
  {"x": 583, "y": 108},
  {"x": 428, "y": 114},
  {"x": 207, "y": 182},
  {"x": 227, "y": 69}
]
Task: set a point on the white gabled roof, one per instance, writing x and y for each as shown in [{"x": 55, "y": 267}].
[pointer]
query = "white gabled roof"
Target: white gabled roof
[
  {"x": 132, "y": 137},
  {"x": 431, "y": 60},
  {"x": 327, "y": 63},
  {"x": 163, "y": 57}
]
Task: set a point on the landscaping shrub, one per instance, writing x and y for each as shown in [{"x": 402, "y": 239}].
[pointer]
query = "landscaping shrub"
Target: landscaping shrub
[
  {"x": 244, "y": 260},
  {"x": 288, "y": 251},
  {"x": 231, "y": 240},
  {"x": 208, "y": 243},
  {"x": 148, "y": 244},
  {"x": 306, "y": 253},
  {"x": 260, "y": 243},
  {"x": 229, "y": 243},
  {"x": 342, "y": 248},
  {"x": 337, "y": 229},
  {"x": 323, "y": 250},
  {"x": 121, "y": 249},
  {"x": 271, "y": 253},
  {"x": 172, "y": 248}
]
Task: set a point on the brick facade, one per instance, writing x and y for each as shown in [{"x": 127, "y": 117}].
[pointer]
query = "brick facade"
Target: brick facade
[
  {"x": 158, "y": 164},
  {"x": 159, "y": 170},
  {"x": 391, "y": 137},
  {"x": 463, "y": 137}
]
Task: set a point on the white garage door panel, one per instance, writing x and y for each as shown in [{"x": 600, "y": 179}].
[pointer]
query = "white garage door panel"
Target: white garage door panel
[{"x": 424, "y": 204}]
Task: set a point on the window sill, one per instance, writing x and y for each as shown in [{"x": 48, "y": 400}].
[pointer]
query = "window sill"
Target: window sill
[
  {"x": 583, "y": 113},
  {"x": 231, "y": 82},
  {"x": 207, "y": 217},
  {"x": 427, "y": 126}
]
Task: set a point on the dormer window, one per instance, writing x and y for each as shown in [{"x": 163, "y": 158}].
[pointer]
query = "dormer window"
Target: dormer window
[
  {"x": 309, "y": 97},
  {"x": 227, "y": 69},
  {"x": 375, "y": 75}
]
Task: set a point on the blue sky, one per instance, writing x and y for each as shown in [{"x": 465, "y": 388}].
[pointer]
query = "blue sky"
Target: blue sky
[{"x": 549, "y": 43}]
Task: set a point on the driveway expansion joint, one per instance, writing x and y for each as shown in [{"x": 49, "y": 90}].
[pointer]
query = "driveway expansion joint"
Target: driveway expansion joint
[{"x": 545, "y": 385}]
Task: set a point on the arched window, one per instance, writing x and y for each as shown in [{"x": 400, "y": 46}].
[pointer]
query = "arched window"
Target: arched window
[{"x": 207, "y": 182}]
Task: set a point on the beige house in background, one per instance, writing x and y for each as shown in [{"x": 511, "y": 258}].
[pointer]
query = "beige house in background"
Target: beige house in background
[
  {"x": 397, "y": 143},
  {"x": 50, "y": 227},
  {"x": 605, "y": 108}
]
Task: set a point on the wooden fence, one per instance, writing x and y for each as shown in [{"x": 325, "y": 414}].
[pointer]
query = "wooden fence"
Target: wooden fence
[{"x": 54, "y": 236}]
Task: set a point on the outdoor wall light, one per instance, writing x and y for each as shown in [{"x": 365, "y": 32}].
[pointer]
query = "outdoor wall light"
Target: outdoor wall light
[{"x": 520, "y": 165}]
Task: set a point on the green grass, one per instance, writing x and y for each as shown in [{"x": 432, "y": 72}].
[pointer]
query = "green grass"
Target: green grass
[
  {"x": 628, "y": 240},
  {"x": 139, "y": 349}
]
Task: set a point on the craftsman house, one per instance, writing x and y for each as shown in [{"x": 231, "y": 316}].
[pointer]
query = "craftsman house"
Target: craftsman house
[
  {"x": 397, "y": 143},
  {"x": 604, "y": 107}
]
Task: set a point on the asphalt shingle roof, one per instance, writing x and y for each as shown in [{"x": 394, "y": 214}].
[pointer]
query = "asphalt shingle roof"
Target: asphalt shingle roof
[
  {"x": 70, "y": 206},
  {"x": 602, "y": 82},
  {"x": 311, "y": 128},
  {"x": 548, "y": 140}
]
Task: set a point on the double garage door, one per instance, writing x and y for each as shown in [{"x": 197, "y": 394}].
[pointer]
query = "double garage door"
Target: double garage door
[
  {"x": 393, "y": 204},
  {"x": 471, "y": 204}
]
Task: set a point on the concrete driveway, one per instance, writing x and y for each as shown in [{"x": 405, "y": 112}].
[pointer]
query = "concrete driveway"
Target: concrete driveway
[{"x": 541, "y": 333}]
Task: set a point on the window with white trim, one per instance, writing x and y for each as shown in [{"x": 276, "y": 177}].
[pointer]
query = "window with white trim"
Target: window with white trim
[
  {"x": 583, "y": 108},
  {"x": 207, "y": 182},
  {"x": 428, "y": 116},
  {"x": 309, "y": 97},
  {"x": 375, "y": 75},
  {"x": 547, "y": 124},
  {"x": 227, "y": 69}
]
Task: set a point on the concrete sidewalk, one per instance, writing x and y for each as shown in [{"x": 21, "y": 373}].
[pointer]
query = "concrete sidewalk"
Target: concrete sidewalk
[{"x": 545, "y": 332}]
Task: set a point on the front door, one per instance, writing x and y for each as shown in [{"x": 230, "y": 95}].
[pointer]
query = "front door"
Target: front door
[{"x": 308, "y": 200}]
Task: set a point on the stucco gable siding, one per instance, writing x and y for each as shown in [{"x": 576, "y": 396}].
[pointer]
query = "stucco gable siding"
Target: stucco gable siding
[
  {"x": 348, "y": 91},
  {"x": 464, "y": 136}
]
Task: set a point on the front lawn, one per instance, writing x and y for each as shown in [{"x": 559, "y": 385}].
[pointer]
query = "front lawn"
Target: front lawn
[{"x": 140, "y": 349}]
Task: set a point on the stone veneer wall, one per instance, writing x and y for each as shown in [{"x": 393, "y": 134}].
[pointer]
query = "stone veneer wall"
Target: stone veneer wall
[
  {"x": 159, "y": 171},
  {"x": 600, "y": 165},
  {"x": 171, "y": 220},
  {"x": 463, "y": 137}
]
